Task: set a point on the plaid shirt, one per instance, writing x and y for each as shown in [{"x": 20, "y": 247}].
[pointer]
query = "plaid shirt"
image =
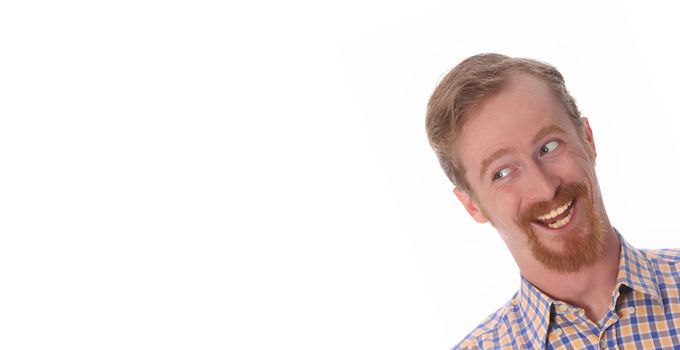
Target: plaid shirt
[{"x": 644, "y": 312}]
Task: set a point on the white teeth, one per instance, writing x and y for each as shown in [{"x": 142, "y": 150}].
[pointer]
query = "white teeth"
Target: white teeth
[
  {"x": 555, "y": 212},
  {"x": 560, "y": 223}
]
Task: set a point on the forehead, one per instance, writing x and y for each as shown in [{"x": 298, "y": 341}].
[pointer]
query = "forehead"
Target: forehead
[{"x": 509, "y": 119}]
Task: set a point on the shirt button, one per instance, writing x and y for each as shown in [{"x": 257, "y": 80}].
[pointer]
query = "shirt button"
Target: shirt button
[
  {"x": 557, "y": 331},
  {"x": 603, "y": 344},
  {"x": 562, "y": 307},
  {"x": 627, "y": 311}
]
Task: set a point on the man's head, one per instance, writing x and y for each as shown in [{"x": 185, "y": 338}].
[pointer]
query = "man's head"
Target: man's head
[
  {"x": 468, "y": 85},
  {"x": 509, "y": 135}
]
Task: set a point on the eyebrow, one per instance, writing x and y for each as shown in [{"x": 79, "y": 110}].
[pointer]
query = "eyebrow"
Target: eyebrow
[
  {"x": 490, "y": 159},
  {"x": 550, "y": 129}
]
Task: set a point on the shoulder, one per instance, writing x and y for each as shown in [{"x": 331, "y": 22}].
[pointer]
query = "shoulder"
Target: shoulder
[
  {"x": 665, "y": 263},
  {"x": 494, "y": 332},
  {"x": 664, "y": 256}
]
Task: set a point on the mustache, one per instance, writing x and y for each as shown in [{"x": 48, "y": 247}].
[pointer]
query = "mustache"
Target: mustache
[{"x": 564, "y": 193}]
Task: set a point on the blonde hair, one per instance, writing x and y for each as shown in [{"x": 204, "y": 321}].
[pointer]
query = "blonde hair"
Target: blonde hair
[{"x": 467, "y": 85}]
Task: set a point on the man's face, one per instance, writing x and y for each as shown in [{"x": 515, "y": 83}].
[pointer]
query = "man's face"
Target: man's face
[{"x": 531, "y": 173}]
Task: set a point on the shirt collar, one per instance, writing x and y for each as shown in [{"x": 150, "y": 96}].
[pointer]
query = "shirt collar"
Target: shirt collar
[
  {"x": 535, "y": 306},
  {"x": 635, "y": 271}
]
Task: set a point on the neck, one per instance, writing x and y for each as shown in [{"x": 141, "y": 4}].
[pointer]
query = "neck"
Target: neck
[{"x": 589, "y": 288}]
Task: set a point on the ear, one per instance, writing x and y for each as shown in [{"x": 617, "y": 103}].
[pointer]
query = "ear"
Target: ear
[
  {"x": 470, "y": 206},
  {"x": 588, "y": 137}
]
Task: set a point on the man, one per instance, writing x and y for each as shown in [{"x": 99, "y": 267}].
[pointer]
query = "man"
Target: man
[{"x": 512, "y": 140}]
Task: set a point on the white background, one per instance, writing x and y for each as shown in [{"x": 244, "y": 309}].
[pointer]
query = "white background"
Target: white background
[{"x": 208, "y": 175}]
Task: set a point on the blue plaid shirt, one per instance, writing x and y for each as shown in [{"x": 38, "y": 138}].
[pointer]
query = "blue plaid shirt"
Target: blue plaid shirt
[{"x": 644, "y": 312}]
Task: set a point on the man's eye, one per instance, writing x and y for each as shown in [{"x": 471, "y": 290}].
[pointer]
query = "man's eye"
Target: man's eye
[
  {"x": 549, "y": 147},
  {"x": 501, "y": 174}
]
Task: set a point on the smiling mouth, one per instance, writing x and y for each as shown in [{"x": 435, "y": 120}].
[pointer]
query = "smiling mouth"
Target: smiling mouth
[{"x": 558, "y": 217}]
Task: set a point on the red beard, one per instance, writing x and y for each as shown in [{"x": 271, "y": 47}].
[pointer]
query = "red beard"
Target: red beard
[{"x": 582, "y": 245}]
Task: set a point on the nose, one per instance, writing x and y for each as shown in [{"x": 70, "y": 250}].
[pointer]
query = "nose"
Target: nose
[{"x": 541, "y": 183}]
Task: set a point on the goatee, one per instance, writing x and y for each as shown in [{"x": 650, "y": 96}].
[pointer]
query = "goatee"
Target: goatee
[{"x": 581, "y": 246}]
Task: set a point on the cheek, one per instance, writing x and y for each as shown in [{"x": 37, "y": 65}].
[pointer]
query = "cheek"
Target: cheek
[
  {"x": 580, "y": 162},
  {"x": 504, "y": 208},
  {"x": 580, "y": 168},
  {"x": 581, "y": 152}
]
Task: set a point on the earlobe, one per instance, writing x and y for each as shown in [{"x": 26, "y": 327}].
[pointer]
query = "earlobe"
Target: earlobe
[
  {"x": 470, "y": 205},
  {"x": 590, "y": 142}
]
